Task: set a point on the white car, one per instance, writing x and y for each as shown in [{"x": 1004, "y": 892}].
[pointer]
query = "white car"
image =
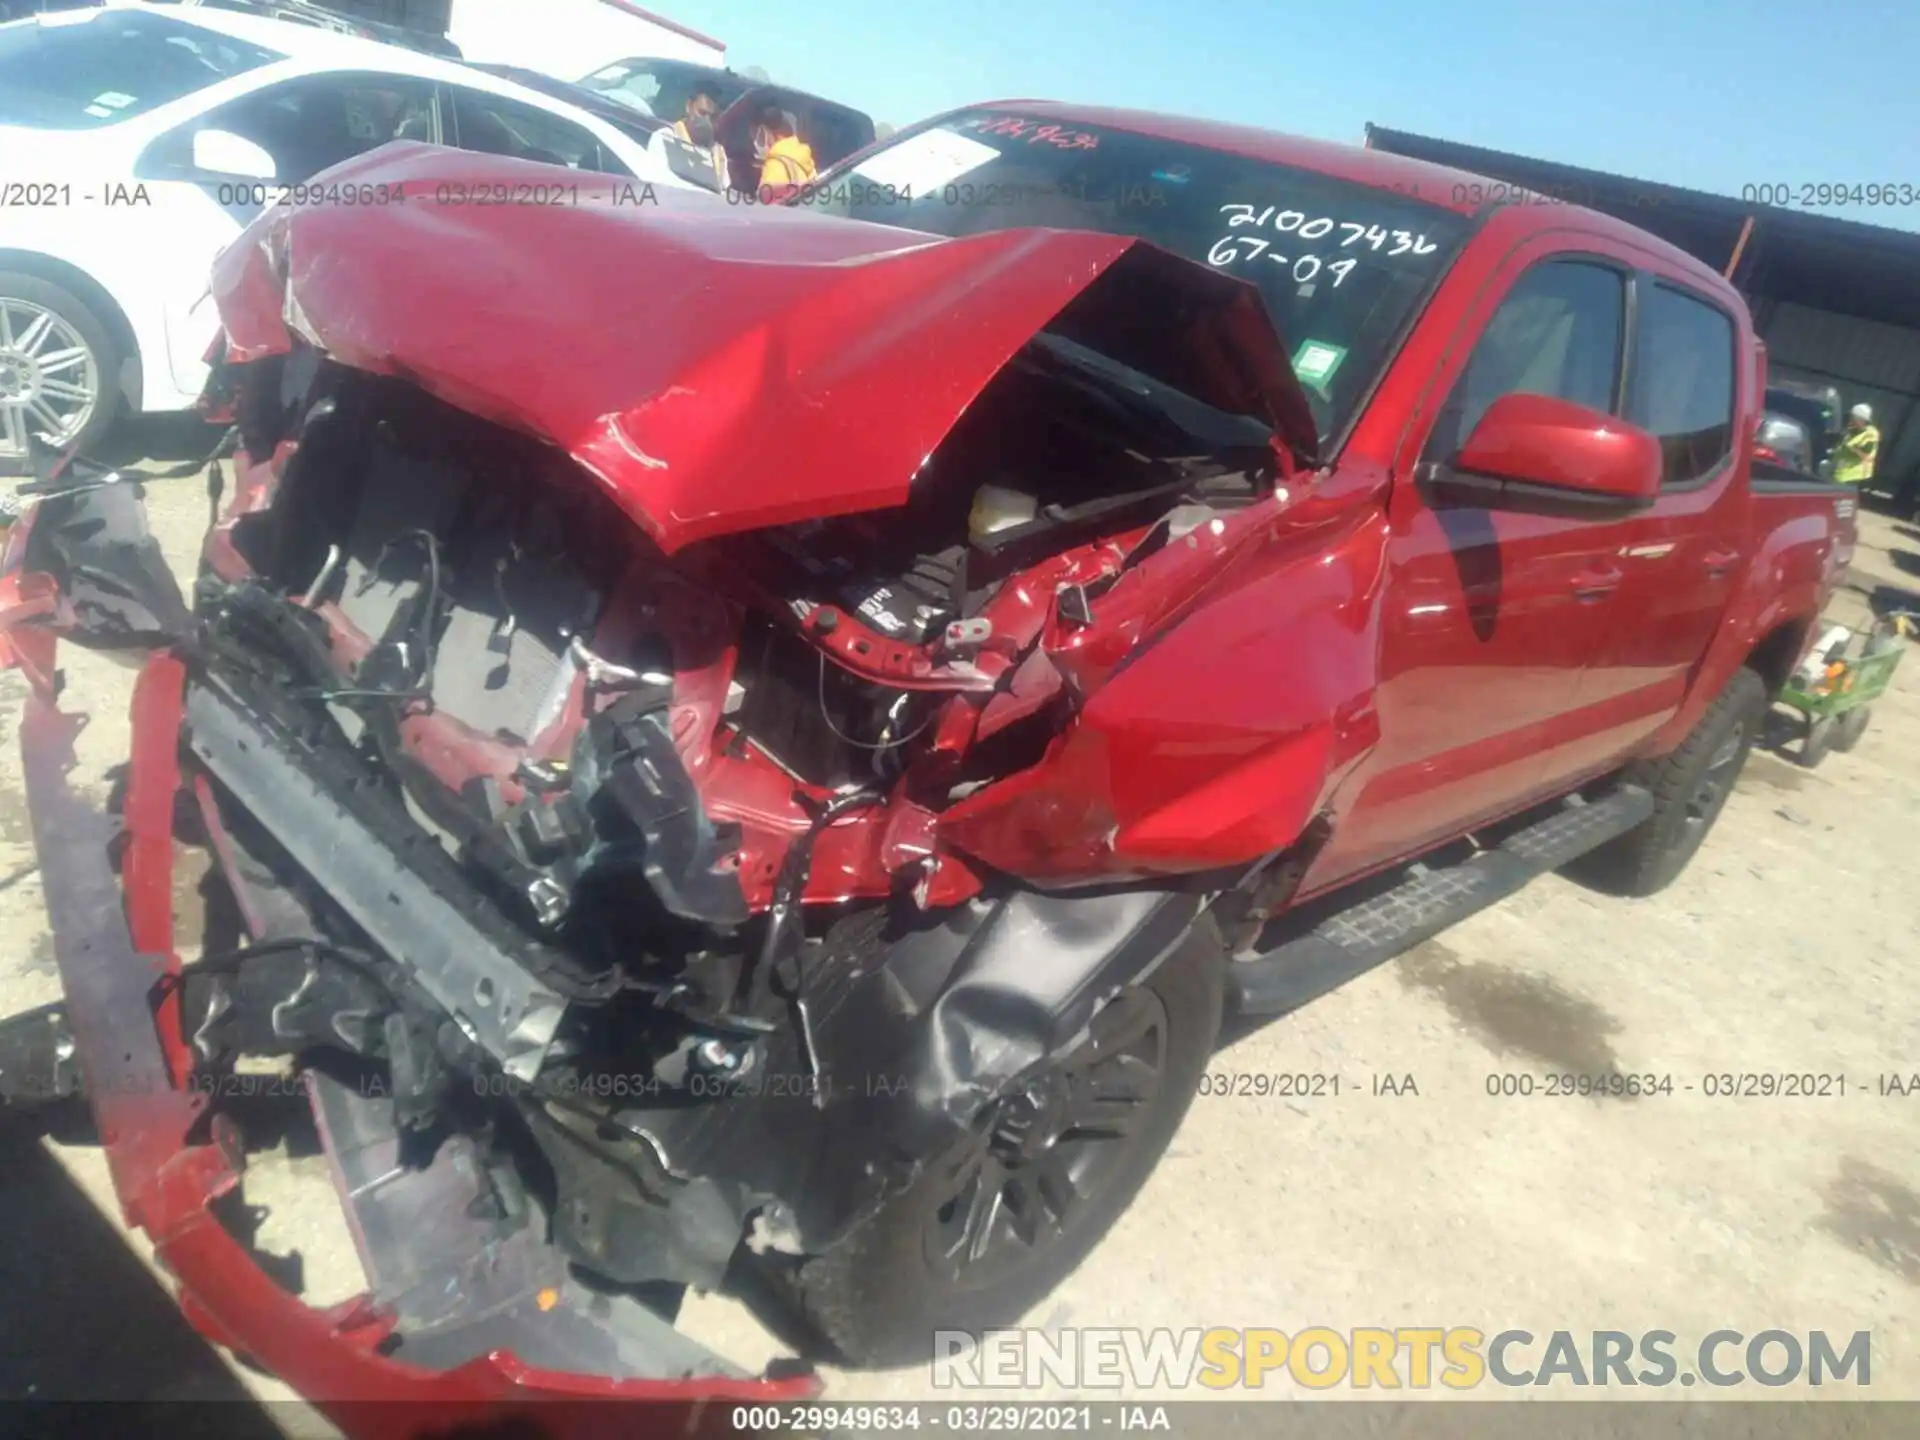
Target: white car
[{"x": 137, "y": 141}]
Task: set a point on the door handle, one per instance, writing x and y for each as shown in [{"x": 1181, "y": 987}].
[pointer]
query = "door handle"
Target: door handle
[
  {"x": 1591, "y": 585},
  {"x": 1719, "y": 562}
]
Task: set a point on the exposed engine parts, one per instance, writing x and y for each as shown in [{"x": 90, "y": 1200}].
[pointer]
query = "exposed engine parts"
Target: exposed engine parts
[{"x": 636, "y": 837}]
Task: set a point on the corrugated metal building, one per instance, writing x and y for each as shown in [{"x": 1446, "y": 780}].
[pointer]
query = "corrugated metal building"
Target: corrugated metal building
[{"x": 1836, "y": 301}]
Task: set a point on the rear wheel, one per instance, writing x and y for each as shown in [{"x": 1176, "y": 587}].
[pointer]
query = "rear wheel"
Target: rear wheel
[
  {"x": 995, "y": 1223},
  {"x": 59, "y": 367},
  {"x": 1690, "y": 788}
]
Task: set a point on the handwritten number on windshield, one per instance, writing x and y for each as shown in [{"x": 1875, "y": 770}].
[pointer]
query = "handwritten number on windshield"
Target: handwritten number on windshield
[
  {"x": 1303, "y": 268},
  {"x": 1034, "y": 133},
  {"x": 1352, "y": 232},
  {"x": 1227, "y": 249}
]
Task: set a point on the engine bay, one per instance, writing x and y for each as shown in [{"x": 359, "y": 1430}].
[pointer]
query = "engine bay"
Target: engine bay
[{"x": 508, "y": 792}]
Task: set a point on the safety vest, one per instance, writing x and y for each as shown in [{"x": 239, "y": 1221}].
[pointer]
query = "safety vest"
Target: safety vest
[
  {"x": 1854, "y": 456},
  {"x": 789, "y": 162}
]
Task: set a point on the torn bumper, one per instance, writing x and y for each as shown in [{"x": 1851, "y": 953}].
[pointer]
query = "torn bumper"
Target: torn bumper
[{"x": 508, "y": 1326}]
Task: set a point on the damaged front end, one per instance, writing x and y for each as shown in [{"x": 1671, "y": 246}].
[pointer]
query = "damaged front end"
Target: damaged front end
[
  {"x": 629, "y": 777},
  {"x": 469, "y": 1306}
]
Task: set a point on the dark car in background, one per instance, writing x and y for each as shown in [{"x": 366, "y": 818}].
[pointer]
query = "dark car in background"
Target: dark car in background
[
  {"x": 1816, "y": 407},
  {"x": 1784, "y": 441},
  {"x": 624, "y": 118},
  {"x": 660, "y": 88}
]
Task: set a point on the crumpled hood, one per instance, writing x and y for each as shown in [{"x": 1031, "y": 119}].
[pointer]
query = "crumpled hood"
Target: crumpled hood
[{"x": 718, "y": 367}]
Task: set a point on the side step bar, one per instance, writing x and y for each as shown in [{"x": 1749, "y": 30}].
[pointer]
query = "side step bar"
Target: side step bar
[{"x": 1355, "y": 940}]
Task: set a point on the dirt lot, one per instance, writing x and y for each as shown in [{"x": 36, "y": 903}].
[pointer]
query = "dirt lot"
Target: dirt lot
[{"x": 1784, "y": 949}]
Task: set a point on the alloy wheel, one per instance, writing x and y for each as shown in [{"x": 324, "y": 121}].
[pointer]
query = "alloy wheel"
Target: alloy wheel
[
  {"x": 1040, "y": 1154},
  {"x": 49, "y": 377}
]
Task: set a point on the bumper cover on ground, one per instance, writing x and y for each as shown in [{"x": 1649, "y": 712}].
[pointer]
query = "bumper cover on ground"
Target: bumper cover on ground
[{"x": 169, "y": 1166}]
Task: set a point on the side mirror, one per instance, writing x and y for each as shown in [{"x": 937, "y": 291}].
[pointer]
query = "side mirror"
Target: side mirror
[
  {"x": 1536, "y": 441},
  {"x": 221, "y": 152}
]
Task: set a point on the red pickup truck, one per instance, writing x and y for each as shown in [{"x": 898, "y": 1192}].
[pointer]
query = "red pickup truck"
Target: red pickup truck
[{"x": 765, "y": 742}]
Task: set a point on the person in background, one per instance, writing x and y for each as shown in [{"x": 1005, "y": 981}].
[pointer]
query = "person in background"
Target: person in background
[
  {"x": 789, "y": 159},
  {"x": 1853, "y": 457},
  {"x": 696, "y": 128}
]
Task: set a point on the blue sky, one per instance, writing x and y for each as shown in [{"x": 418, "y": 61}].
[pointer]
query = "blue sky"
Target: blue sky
[{"x": 1714, "y": 94}]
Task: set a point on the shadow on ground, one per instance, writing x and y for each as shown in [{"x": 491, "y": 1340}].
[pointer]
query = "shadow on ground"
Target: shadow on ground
[
  {"x": 1776, "y": 768},
  {"x": 84, "y": 1319},
  {"x": 157, "y": 439},
  {"x": 1885, "y": 599},
  {"x": 1876, "y": 1214}
]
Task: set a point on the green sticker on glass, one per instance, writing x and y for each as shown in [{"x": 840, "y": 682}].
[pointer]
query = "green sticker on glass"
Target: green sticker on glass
[{"x": 1315, "y": 361}]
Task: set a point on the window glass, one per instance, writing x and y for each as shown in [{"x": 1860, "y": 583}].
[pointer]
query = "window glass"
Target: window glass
[
  {"x": 1683, "y": 382},
  {"x": 662, "y": 87},
  {"x": 832, "y": 131},
  {"x": 112, "y": 65},
  {"x": 1341, "y": 266},
  {"x": 495, "y": 126},
  {"x": 312, "y": 123},
  {"x": 1557, "y": 333}
]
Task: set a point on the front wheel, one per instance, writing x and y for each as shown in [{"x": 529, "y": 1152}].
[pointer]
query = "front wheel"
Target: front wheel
[
  {"x": 1690, "y": 788},
  {"x": 991, "y": 1226}
]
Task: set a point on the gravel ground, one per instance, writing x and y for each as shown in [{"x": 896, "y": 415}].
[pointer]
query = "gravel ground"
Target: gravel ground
[{"x": 1783, "y": 949}]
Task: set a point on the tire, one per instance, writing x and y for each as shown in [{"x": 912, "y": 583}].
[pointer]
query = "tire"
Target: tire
[
  {"x": 1850, "y": 727},
  {"x": 28, "y": 298},
  {"x": 877, "y": 1297},
  {"x": 1690, "y": 788},
  {"x": 1817, "y": 742}
]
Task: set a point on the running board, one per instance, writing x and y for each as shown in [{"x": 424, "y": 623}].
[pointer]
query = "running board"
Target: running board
[{"x": 1355, "y": 940}]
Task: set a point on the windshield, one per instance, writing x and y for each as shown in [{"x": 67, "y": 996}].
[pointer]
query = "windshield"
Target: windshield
[
  {"x": 661, "y": 87},
  {"x": 111, "y": 66},
  {"x": 1340, "y": 265}
]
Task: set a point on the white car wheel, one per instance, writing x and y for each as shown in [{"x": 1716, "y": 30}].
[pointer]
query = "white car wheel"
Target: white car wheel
[{"x": 57, "y": 367}]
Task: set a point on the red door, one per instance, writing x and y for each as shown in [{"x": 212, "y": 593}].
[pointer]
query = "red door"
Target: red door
[
  {"x": 1492, "y": 615},
  {"x": 1680, "y": 559}
]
